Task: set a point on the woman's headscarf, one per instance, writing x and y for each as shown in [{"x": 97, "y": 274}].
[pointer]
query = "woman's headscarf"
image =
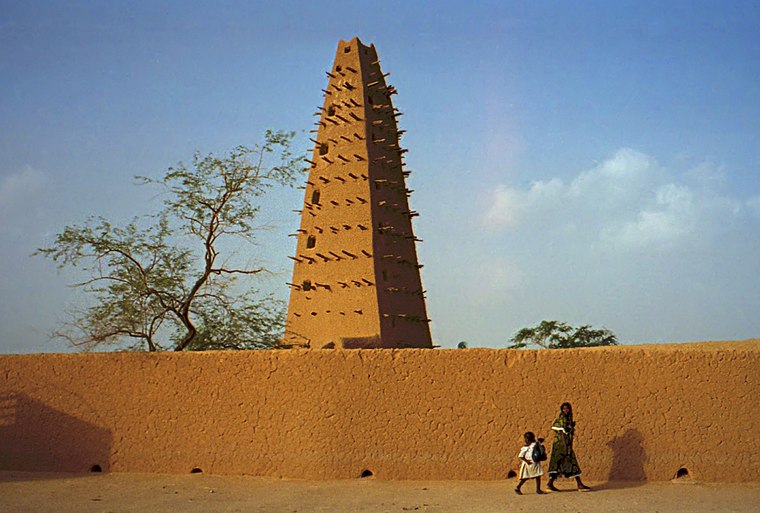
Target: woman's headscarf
[{"x": 566, "y": 420}]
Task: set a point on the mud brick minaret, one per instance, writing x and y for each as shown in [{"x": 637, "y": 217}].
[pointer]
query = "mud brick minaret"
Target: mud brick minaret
[{"x": 356, "y": 280}]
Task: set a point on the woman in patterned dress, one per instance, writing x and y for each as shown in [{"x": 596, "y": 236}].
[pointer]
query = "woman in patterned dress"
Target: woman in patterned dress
[{"x": 563, "y": 461}]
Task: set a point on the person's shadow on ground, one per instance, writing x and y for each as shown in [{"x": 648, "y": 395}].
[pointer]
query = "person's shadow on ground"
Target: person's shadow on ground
[{"x": 628, "y": 457}]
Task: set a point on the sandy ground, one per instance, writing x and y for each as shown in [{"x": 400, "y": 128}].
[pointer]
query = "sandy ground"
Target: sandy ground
[{"x": 145, "y": 493}]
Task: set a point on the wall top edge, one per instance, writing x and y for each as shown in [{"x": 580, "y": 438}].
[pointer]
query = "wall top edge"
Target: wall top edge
[{"x": 749, "y": 345}]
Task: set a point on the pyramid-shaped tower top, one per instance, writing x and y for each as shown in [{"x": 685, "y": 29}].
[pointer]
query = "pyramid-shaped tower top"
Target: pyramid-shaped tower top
[
  {"x": 356, "y": 280},
  {"x": 359, "y": 45}
]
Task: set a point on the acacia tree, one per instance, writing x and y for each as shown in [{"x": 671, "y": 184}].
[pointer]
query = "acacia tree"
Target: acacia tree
[
  {"x": 159, "y": 282},
  {"x": 558, "y": 335}
]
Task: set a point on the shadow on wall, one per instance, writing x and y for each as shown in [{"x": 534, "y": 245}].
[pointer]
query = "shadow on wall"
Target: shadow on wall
[
  {"x": 36, "y": 437},
  {"x": 628, "y": 457},
  {"x": 360, "y": 342}
]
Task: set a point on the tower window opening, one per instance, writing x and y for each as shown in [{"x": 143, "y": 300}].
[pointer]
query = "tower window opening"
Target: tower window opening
[
  {"x": 369, "y": 99},
  {"x": 311, "y": 241},
  {"x": 306, "y": 285},
  {"x": 347, "y": 49},
  {"x": 331, "y": 110},
  {"x": 315, "y": 197},
  {"x": 323, "y": 149}
]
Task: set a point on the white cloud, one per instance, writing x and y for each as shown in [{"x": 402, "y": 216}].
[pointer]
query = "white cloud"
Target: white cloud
[
  {"x": 18, "y": 187},
  {"x": 629, "y": 201},
  {"x": 508, "y": 205},
  {"x": 625, "y": 173},
  {"x": 672, "y": 216},
  {"x": 505, "y": 206},
  {"x": 652, "y": 252}
]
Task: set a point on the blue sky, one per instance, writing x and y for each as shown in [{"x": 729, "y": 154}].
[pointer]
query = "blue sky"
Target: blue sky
[{"x": 591, "y": 162}]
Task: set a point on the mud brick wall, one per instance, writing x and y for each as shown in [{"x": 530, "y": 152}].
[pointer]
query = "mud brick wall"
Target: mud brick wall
[{"x": 643, "y": 412}]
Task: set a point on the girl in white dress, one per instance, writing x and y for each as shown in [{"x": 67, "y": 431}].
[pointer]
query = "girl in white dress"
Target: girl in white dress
[{"x": 529, "y": 469}]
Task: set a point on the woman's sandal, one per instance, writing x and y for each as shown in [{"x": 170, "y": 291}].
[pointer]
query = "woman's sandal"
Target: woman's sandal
[
  {"x": 517, "y": 491},
  {"x": 584, "y": 488}
]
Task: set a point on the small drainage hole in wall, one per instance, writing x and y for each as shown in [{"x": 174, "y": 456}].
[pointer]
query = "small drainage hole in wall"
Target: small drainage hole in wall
[
  {"x": 511, "y": 474},
  {"x": 196, "y": 470},
  {"x": 96, "y": 468},
  {"x": 683, "y": 473},
  {"x": 367, "y": 473}
]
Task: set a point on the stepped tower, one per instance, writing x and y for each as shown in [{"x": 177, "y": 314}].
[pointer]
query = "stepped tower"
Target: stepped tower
[{"x": 356, "y": 280}]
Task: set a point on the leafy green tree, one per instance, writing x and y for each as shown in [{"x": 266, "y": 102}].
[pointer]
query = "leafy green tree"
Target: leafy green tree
[
  {"x": 558, "y": 335},
  {"x": 463, "y": 345},
  {"x": 160, "y": 282}
]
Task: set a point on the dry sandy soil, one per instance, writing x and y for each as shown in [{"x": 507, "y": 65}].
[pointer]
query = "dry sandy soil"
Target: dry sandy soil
[{"x": 22, "y": 492}]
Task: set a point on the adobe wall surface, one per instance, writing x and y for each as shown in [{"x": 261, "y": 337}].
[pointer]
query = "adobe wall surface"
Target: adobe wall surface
[{"x": 643, "y": 412}]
